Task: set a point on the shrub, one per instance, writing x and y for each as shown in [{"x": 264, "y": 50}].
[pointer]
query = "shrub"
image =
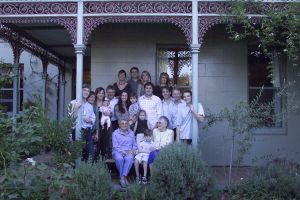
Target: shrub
[
  {"x": 92, "y": 182},
  {"x": 274, "y": 181},
  {"x": 135, "y": 192},
  {"x": 180, "y": 173}
]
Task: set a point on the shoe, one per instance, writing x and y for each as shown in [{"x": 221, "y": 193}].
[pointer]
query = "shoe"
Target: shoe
[
  {"x": 144, "y": 180},
  {"x": 126, "y": 182},
  {"x": 123, "y": 183},
  {"x": 138, "y": 180}
]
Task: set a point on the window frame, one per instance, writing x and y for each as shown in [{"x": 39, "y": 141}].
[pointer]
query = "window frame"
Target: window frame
[
  {"x": 282, "y": 64},
  {"x": 157, "y": 72}
]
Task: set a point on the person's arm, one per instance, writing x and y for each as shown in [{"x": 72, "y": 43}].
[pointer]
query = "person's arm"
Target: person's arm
[
  {"x": 135, "y": 126},
  {"x": 118, "y": 115},
  {"x": 115, "y": 143},
  {"x": 159, "y": 107},
  {"x": 198, "y": 115},
  {"x": 171, "y": 137}
]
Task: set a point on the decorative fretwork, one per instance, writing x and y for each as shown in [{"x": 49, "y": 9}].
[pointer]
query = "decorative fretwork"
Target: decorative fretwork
[
  {"x": 184, "y": 23},
  {"x": 138, "y": 7},
  {"x": 27, "y": 8},
  {"x": 69, "y": 23}
]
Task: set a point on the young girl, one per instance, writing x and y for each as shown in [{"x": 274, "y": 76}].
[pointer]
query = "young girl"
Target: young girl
[
  {"x": 105, "y": 119},
  {"x": 134, "y": 109},
  {"x": 140, "y": 126}
]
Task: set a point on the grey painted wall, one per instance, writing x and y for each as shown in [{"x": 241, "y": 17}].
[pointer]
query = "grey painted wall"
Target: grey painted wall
[{"x": 222, "y": 81}]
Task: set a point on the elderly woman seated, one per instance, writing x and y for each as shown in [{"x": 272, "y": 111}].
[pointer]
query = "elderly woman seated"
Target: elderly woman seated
[
  {"x": 162, "y": 136},
  {"x": 124, "y": 149}
]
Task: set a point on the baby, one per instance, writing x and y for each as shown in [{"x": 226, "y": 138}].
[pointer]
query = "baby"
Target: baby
[
  {"x": 144, "y": 149},
  {"x": 106, "y": 111}
]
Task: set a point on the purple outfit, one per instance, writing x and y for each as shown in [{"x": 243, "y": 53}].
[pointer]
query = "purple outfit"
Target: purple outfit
[{"x": 122, "y": 143}]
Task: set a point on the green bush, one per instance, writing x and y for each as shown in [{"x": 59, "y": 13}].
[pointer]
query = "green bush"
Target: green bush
[
  {"x": 275, "y": 181},
  {"x": 180, "y": 173},
  {"x": 92, "y": 182}
]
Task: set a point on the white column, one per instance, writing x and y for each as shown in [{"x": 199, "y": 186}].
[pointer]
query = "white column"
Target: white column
[
  {"x": 62, "y": 95},
  {"x": 79, "y": 50},
  {"x": 44, "y": 82},
  {"x": 16, "y": 84},
  {"x": 195, "y": 50}
]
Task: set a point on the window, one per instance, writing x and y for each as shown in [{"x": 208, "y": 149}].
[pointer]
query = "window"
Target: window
[
  {"x": 176, "y": 61},
  {"x": 270, "y": 75},
  {"x": 6, "y": 94}
]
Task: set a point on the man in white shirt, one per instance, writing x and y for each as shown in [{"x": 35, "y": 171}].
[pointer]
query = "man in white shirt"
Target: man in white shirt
[
  {"x": 185, "y": 116},
  {"x": 177, "y": 103},
  {"x": 110, "y": 91},
  {"x": 151, "y": 104},
  {"x": 87, "y": 120}
]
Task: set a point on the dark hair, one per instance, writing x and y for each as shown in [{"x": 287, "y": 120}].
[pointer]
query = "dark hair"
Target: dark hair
[
  {"x": 133, "y": 94},
  {"x": 166, "y": 75},
  {"x": 98, "y": 90},
  {"x": 166, "y": 119},
  {"x": 122, "y": 71},
  {"x": 167, "y": 88},
  {"x": 147, "y": 132},
  {"x": 120, "y": 103},
  {"x": 188, "y": 91},
  {"x": 134, "y": 68},
  {"x": 110, "y": 87},
  {"x": 176, "y": 89},
  {"x": 85, "y": 85},
  {"x": 149, "y": 84},
  {"x": 91, "y": 94}
]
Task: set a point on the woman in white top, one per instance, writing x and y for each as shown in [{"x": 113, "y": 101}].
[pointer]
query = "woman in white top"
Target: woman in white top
[
  {"x": 185, "y": 116},
  {"x": 161, "y": 137}
]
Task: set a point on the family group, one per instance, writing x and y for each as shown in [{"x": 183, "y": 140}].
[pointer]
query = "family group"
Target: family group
[{"x": 133, "y": 120}]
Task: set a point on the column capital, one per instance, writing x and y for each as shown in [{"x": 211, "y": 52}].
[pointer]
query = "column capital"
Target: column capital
[
  {"x": 195, "y": 48},
  {"x": 79, "y": 48}
]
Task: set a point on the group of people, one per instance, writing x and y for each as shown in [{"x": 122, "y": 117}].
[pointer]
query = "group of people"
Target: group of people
[{"x": 132, "y": 120}]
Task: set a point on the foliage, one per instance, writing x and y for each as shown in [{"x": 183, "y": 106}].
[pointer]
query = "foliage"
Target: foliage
[
  {"x": 24, "y": 182},
  {"x": 180, "y": 173},
  {"x": 274, "y": 181},
  {"x": 34, "y": 133},
  {"x": 6, "y": 73},
  {"x": 92, "y": 182},
  {"x": 278, "y": 31},
  {"x": 136, "y": 192}
]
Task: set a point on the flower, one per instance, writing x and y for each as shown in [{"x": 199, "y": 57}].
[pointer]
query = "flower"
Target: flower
[{"x": 31, "y": 161}]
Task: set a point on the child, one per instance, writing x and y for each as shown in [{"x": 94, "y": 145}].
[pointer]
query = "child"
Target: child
[
  {"x": 105, "y": 109},
  {"x": 144, "y": 149},
  {"x": 140, "y": 126},
  {"x": 134, "y": 109}
]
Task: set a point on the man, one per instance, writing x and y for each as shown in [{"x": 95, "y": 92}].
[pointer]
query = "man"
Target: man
[
  {"x": 86, "y": 120},
  {"x": 134, "y": 80},
  {"x": 151, "y": 104},
  {"x": 110, "y": 91},
  {"x": 177, "y": 103}
]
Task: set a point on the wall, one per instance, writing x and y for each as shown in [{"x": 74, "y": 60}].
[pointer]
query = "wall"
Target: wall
[
  {"x": 33, "y": 79},
  {"x": 222, "y": 81}
]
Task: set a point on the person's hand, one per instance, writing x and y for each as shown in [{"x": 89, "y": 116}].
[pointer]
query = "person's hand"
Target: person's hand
[
  {"x": 123, "y": 153},
  {"x": 87, "y": 119},
  {"x": 77, "y": 104},
  {"x": 106, "y": 113},
  {"x": 96, "y": 137}
]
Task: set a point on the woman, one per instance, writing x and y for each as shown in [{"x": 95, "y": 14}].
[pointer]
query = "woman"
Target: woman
[
  {"x": 124, "y": 149},
  {"x": 185, "y": 116},
  {"x": 92, "y": 99},
  {"x": 121, "y": 109},
  {"x": 162, "y": 136},
  {"x": 164, "y": 81},
  {"x": 103, "y": 144},
  {"x": 122, "y": 85},
  {"x": 145, "y": 78}
]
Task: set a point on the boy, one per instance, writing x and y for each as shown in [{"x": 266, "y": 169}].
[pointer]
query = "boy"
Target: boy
[{"x": 144, "y": 149}]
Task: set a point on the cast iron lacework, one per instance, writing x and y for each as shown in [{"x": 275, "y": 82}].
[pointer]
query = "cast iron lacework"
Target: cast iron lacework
[
  {"x": 184, "y": 23},
  {"x": 38, "y": 8},
  {"x": 138, "y": 7}
]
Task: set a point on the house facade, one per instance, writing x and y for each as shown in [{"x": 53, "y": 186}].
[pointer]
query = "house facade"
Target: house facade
[{"x": 90, "y": 41}]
